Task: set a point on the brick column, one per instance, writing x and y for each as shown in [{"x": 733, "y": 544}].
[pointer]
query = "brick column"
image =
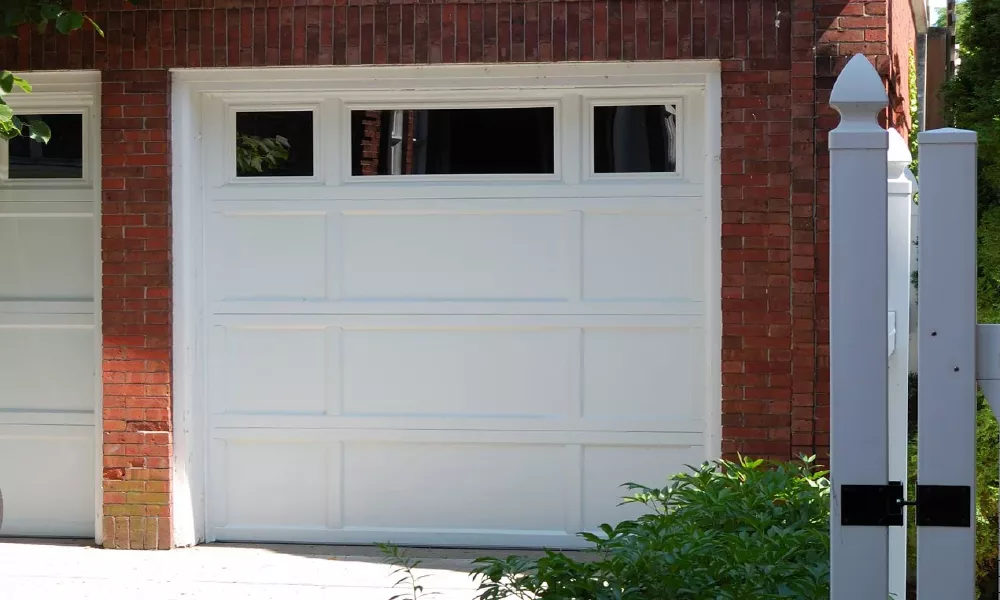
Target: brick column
[{"x": 135, "y": 253}]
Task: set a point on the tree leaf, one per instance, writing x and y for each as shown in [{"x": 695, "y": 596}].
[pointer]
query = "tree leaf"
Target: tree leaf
[
  {"x": 23, "y": 84},
  {"x": 39, "y": 132},
  {"x": 6, "y": 112},
  {"x": 6, "y": 82},
  {"x": 50, "y": 10},
  {"x": 68, "y": 21}
]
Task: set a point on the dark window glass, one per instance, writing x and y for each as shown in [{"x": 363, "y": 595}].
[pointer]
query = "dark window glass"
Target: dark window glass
[
  {"x": 60, "y": 158},
  {"x": 274, "y": 144},
  {"x": 476, "y": 141},
  {"x": 635, "y": 139}
]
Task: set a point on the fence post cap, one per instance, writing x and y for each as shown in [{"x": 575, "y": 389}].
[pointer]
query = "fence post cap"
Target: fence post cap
[
  {"x": 898, "y": 155},
  {"x": 947, "y": 135},
  {"x": 859, "y": 84},
  {"x": 914, "y": 187}
]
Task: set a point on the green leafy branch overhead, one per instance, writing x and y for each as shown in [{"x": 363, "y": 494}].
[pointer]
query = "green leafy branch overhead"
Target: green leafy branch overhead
[
  {"x": 39, "y": 15},
  {"x": 254, "y": 154}
]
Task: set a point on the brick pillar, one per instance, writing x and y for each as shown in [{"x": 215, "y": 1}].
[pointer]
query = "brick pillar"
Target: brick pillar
[{"x": 135, "y": 252}]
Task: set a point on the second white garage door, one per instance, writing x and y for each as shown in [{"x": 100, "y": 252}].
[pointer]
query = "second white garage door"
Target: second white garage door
[{"x": 463, "y": 314}]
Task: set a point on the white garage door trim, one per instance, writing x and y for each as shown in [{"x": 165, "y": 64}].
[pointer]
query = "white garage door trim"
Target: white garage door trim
[
  {"x": 57, "y": 92},
  {"x": 203, "y": 108}
]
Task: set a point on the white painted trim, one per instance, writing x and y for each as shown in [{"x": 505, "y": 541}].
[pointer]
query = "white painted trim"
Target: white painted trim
[
  {"x": 195, "y": 89},
  {"x": 188, "y": 484},
  {"x": 455, "y": 77},
  {"x": 713, "y": 250}
]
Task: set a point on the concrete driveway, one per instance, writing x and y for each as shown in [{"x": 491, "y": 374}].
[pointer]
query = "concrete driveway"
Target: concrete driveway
[{"x": 78, "y": 571}]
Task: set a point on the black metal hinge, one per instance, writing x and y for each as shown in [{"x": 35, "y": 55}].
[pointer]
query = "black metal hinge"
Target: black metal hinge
[{"x": 882, "y": 505}]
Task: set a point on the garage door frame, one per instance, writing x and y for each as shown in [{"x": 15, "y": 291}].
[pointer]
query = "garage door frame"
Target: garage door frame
[
  {"x": 64, "y": 92},
  {"x": 192, "y": 89}
]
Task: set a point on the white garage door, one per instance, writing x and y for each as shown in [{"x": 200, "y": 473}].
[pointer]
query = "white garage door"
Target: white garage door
[
  {"x": 49, "y": 351},
  {"x": 464, "y": 314}
]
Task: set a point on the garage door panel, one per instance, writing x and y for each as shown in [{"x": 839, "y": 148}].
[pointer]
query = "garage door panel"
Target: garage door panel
[
  {"x": 273, "y": 370},
  {"x": 606, "y": 468},
  {"x": 46, "y": 257},
  {"x": 651, "y": 373},
  {"x": 48, "y": 480},
  {"x": 643, "y": 256},
  {"x": 273, "y": 484},
  {"x": 454, "y": 372},
  {"x": 29, "y": 355},
  {"x": 458, "y": 256},
  {"x": 449, "y": 486},
  {"x": 461, "y": 372},
  {"x": 268, "y": 257},
  {"x": 364, "y": 491}
]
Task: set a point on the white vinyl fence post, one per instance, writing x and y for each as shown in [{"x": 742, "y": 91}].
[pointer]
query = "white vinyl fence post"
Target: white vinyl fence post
[
  {"x": 859, "y": 559},
  {"x": 946, "y": 404},
  {"x": 900, "y": 218}
]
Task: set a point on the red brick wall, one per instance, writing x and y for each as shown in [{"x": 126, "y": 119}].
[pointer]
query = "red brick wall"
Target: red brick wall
[
  {"x": 371, "y": 142},
  {"x": 779, "y": 58},
  {"x": 902, "y": 40}
]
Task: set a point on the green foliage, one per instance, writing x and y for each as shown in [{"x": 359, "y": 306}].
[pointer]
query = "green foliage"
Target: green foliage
[
  {"x": 914, "y": 112},
  {"x": 942, "y": 15},
  {"x": 39, "y": 14},
  {"x": 987, "y": 496},
  {"x": 972, "y": 97},
  {"x": 255, "y": 154},
  {"x": 724, "y": 531},
  {"x": 404, "y": 568},
  {"x": 987, "y": 493},
  {"x": 988, "y": 289}
]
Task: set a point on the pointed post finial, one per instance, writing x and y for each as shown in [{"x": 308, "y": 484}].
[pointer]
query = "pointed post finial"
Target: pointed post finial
[
  {"x": 899, "y": 157},
  {"x": 858, "y": 95}
]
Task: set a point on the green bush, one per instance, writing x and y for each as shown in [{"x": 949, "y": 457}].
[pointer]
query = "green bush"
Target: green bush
[
  {"x": 987, "y": 495},
  {"x": 727, "y": 530}
]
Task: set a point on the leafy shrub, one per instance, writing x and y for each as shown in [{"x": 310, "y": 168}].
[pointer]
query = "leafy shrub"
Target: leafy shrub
[
  {"x": 726, "y": 530},
  {"x": 987, "y": 495},
  {"x": 255, "y": 154},
  {"x": 405, "y": 570},
  {"x": 987, "y": 519}
]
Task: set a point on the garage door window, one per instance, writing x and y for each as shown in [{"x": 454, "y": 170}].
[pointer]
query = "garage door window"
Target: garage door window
[
  {"x": 477, "y": 141},
  {"x": 274, "y": 144},
  {"x": 635, "y": 138},
  {"x": 60, "y": 158}
]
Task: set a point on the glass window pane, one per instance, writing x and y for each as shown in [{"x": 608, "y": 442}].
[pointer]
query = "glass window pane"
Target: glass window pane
[
  {"x": 475, "y": 141},
  {"x": 274, "y": 144},
  {"x": 60, "y": 158},
  {"x": 635, "y": 139}
]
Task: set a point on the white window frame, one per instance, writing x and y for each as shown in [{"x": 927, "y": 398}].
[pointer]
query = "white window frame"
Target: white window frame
[
  {"x": 344, "y": 146},
  {"x": 40, "y": 102},
  {"x": 231, "y": 176},
  {"x": 590, "y": 173}
]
